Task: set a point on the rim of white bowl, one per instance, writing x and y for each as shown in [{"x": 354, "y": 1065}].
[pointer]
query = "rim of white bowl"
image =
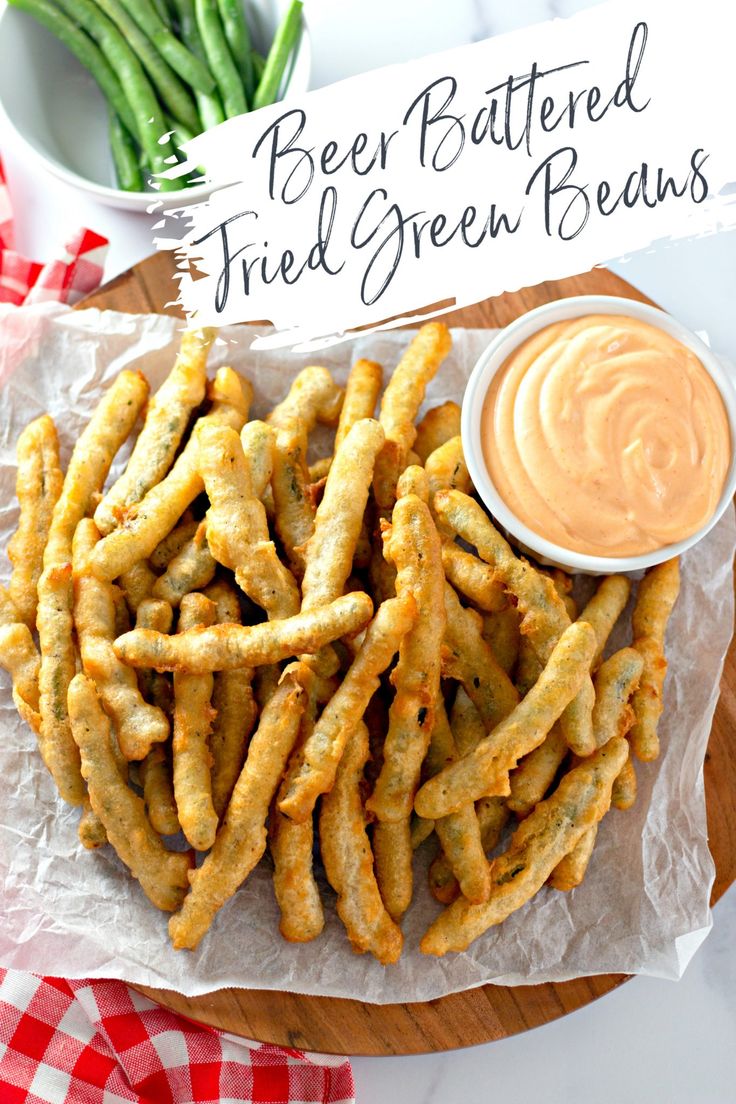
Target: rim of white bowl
[
  {"x": 116, "y": 196},
  {"x": 492, "y": 359}
]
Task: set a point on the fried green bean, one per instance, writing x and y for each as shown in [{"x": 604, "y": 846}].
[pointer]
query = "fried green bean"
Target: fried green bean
[
  {"x": 484, "y": 772},
  {"x": 539, "y": 843},
  {"x": 167, "y": 417}
]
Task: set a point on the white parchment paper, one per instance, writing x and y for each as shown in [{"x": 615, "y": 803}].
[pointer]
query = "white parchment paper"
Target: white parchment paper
[{"x": 643, "y": 907}]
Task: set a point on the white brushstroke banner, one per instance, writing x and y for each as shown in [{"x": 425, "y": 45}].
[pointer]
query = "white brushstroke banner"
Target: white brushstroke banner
[{"x": 437, "y": 183}]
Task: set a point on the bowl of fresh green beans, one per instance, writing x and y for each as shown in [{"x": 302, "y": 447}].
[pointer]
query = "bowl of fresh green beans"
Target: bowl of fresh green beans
[{"x": 105, "y": 92}]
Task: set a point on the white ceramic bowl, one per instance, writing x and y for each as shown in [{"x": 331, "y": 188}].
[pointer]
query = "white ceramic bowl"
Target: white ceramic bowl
[
  {"x": 60, "y": 114},
  {"x": 491, "y": 361}
]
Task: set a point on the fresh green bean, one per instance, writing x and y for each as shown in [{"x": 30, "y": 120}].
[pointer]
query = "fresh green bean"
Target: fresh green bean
[
  {"x": 284, "y": 42},
  {"x": 219, "y": 57},
  {"x": 163, "y": 12},
  {"x": 85, "y": 51},
  {"x": 237, "y": 34},
  {"x": 150, "y": 126},
  {"x": 259, "y": 64},
  {"x": 182, "y": 60},
  {"x": 172, "y": 93},
  {"x": 209, "y": 104},
  {"x": 125, "y": 156},
  {"x": 180, "y": 137}
]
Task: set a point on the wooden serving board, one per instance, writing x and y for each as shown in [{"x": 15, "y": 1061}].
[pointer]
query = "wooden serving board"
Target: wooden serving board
[{"x": 491, "y": 1012}]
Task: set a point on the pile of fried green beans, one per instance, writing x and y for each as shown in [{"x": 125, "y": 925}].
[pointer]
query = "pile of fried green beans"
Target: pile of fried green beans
[{"x": 169, "y": 69}]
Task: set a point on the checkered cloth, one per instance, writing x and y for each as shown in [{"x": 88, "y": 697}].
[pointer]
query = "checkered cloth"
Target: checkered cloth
[
  {"x": 99, "y": 1042},
  {"x": 75, "y": 272}
]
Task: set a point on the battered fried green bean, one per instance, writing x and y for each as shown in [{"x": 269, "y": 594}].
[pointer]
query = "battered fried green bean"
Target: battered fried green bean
[
  {"x": 539, "y": 843},
  {"x": 167, "y": 417},
  {"x": 163, "y": 875},
  {"x": 484, "y": 772},
  {"x": 655, "y": 600},
  {"x": 38, "y": 486}
]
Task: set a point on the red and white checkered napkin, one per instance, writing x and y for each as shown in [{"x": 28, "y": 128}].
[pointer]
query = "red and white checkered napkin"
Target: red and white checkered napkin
[
  {"x": 76, "y": 272},
  {"x": 99, "y": 1042}
]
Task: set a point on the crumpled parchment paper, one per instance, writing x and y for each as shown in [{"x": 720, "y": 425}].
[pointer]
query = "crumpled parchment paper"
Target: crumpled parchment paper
[{"x": 643, "y": 907}]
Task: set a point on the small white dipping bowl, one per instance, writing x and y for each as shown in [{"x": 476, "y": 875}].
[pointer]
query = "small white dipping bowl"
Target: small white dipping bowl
[
  {"x": 495, "y": 357},
  {"x": 59, "y": 113}
]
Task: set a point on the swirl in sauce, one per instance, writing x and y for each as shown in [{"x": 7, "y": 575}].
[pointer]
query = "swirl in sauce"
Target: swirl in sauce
[{"x": 606, "y": 436}]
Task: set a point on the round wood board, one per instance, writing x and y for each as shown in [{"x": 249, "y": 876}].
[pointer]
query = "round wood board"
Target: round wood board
[{"x": 491, "y": 1012}]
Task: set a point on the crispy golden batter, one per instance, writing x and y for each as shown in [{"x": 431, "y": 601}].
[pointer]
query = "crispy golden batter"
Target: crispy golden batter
[
  {"x": 138, "y": 725},
  {"x": 604, "y": 609},
  {"x": 19, "y": 656},
  {"x": 413, "y": 480},
  {"x": 107, "y": 429},
  {"x": 413, "y": 545},
  {"x": 543, "y": 614},
  {"x": 447, "y": 471},
  {"x": 393, "y": 858},
  {"x": 616, "y": 680},
  {"x": 234, "y": 705},
  {"x": 361, "y": 395},
  {"x": 159, "y": 510},
  {"x": 655, "y": 600},
  {"x": 464, "y": 868},
  {"x": 539, "y": 843},
  {"x": 484, "y": 772},
  {"x": 155, "y": 771},
  {"x": 90, "y": 462},
  {"x": 258, "y": 441},
  {"x": 224, "y": 647},
  {"x": 38, "y": 486},
  {"x": 192, "y": 568},
  {"x": 193, "y": 717},
  {"x": 473, "y": 578},
  {"x": 438, "y": 425},
  {"x": 321, "y": 754},
  {"x": 58, "y": 666},
  {"x": 137, "y": 584},
  {"x": 348, "y": 858},
  {"x": 237, "y": 528},
  {"x": 536, "y": 773},
  {"x": 167, "y": 418},
  {"x": 293, "y": 507},
  {"x": 400, "y": 404},
  {"x": 292, "y": 843},
  {"x": 624, "y": 788},
  {"x": 329, "y": 553},
  {"x": 162, "y": 874},
  {"x": 570, "y": 871},
  {"x": 440, "y": 752},
  {"x": 241, "y": 841},
  {"x": 467, "y": 658},
  {"x": 173, "y": 542},
  {"x": 501, "y": 633},
  {"x": 313, "y": 396}
]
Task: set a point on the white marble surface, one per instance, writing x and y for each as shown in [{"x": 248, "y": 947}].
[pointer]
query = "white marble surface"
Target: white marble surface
[{"x": 651, "y": 1041}]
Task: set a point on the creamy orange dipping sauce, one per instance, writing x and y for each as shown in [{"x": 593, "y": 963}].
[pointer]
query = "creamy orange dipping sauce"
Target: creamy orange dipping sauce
[{"x": 606, "y": 436}]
